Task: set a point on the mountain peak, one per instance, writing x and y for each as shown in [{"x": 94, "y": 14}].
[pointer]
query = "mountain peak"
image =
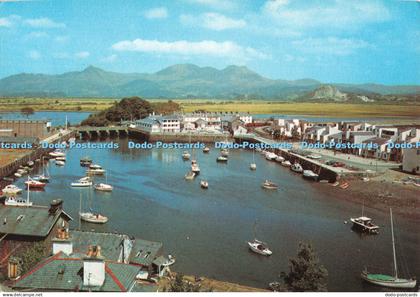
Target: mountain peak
[{"x": 93, "y": 69}]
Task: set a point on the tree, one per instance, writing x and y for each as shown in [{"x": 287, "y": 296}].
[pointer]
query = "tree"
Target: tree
[
  {"x": 305, "y": 274},
  {"x": 179, "y": 284},
  {"x": 32, "y": 256},
  {"x": 27, "y": 111}
]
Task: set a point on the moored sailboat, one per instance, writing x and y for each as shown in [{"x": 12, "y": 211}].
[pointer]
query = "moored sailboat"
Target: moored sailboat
[{"x": 387, "y": 280}]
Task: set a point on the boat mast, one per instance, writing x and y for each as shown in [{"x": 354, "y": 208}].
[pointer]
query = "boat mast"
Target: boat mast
[
  {"x": 80, "y": 210},
  {"x": 393, "y": 245},
  {"x": 27, "y": 197}
]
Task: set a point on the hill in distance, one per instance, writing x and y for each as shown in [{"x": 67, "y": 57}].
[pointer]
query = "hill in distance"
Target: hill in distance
[{"x": 188, "y": 81}]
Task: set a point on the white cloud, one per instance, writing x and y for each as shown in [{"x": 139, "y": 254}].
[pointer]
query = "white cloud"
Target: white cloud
[
  {"x": 34, "y": 55},
  {"x": 44, "y": 23},
  {"x": 213, "y": 21},
  {"x": 156, "y": 13},
  {"x": 82, "y": 55},
  {"x": 9, "y": 21},
  {"x": 183, "y": 47},
  {"x": 330, "y": 45},
  {"x": 62, "y": 55},
  {"x": 328, "y": 14}
]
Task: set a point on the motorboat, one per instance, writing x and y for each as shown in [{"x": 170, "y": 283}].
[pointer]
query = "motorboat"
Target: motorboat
[
  {"x": 309, "y": 174},
  {"x": 16, "y": 201},
  {"x": 94, "y": 218},
  {"x": 57, "y": 153},
  {"x": 85, "y": 161},
  {"x": 21, "y": 171},
  {"x": 206, "y": 150},
  {"x": 95, "y": 166},
  {"x": 297, "y": 168},
  {"x": 270, "y": 156},
  {"x": 30, "y": 163},
  {"x": 81, "y": 183},
  {"x": 269, "y": 185},
  {"x": 95, "y": 170},
  {"x": 186, "y": 155},
  {"x": 365, "y": 224},
  {"x": 204, "y": 184},
  {"x": 17, "y": 174},
  {"x": 390, "y": 281},
  {"x": 222, "y": 159},
  {"x": 253, "y": 166},
  {"x": 279, "y": 159},
  {"x": 34, "y": 184},
  {"x": 11, "y": 190},
  {"x": 103, "y": 187},
  {"x": 60, "y": 158},
  {"x": 259, "y": 247},
  {"x": 190, "y": 175},
  {"x": 194, "y": 167},
  {"x": 60, "y": 163},
  {"x": 286, "y": 163}
]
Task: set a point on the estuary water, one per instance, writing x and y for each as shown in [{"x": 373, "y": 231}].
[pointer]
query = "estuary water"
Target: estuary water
[{"x": 207, "y": 230}]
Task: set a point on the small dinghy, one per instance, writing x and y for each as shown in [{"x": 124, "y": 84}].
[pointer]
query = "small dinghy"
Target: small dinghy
[
  {"x": 206, "y": 150},
  {"x": 222, "y": 159},
  {"x": 309, "y": 174},
  {"x": 269, "y": 185},
  {"x": 85, "y": 161},
  {"x": 286, "y": 163},
  {"x": 190, "y": 175},
  {"x": 259, "y": 247},
  {"x": 60, "y": 163},
  {"x": 253, "y": 166},
  {"x": 279, "y": 159},
  {"x": 297, "y": 168},
  {"x": 186, "y": 155},
  {"x": 204, "y": 184}
]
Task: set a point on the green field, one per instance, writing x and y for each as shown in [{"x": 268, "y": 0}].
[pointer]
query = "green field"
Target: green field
[{"x": 253, "y": 107}]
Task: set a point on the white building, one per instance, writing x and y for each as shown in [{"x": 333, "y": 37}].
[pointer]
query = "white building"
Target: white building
[{"x": 411, "y": 160}]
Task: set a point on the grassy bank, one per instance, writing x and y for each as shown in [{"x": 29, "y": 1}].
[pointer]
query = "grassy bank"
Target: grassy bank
[{"x": 253, "y": 107}]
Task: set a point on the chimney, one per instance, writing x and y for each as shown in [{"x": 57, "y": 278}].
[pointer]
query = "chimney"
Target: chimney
[
  {"x": 62, "y": 242},
  {"x": 13, "y": 269},
  {"x": 55, "y": 205},
  {"x": 93, "y": 267}
]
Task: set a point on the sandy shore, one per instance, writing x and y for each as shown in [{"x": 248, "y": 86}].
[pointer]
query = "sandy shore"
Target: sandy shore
[{"x": 380, "y": 193}]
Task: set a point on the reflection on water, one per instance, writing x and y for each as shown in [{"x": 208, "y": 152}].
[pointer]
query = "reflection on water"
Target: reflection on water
[{"x": 207, "y": 230}]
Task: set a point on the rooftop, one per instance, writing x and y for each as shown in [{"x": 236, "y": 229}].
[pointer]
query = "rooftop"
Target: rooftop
[
  {"x": 63, "y": 273},
  {"x": 144, "y": 252},
  {"x": 29, "y": 221}
]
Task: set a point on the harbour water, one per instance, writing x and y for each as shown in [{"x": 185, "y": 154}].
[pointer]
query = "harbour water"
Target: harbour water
[{"x": 207, "y": 230}]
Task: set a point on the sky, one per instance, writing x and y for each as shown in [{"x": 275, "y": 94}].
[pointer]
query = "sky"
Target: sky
[{"x": 342, "y": 41}]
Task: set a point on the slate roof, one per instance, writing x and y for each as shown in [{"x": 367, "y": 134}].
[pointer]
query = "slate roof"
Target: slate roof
[
  {"x": 63, "y": 273},
  {"x": 111, "y": 243},
  {"x": 144, "y": 252},
  {"x": 28, "y": 221}
]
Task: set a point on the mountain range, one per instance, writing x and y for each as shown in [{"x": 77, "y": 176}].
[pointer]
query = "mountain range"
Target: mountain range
[{"x": 186, "y": 81}]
